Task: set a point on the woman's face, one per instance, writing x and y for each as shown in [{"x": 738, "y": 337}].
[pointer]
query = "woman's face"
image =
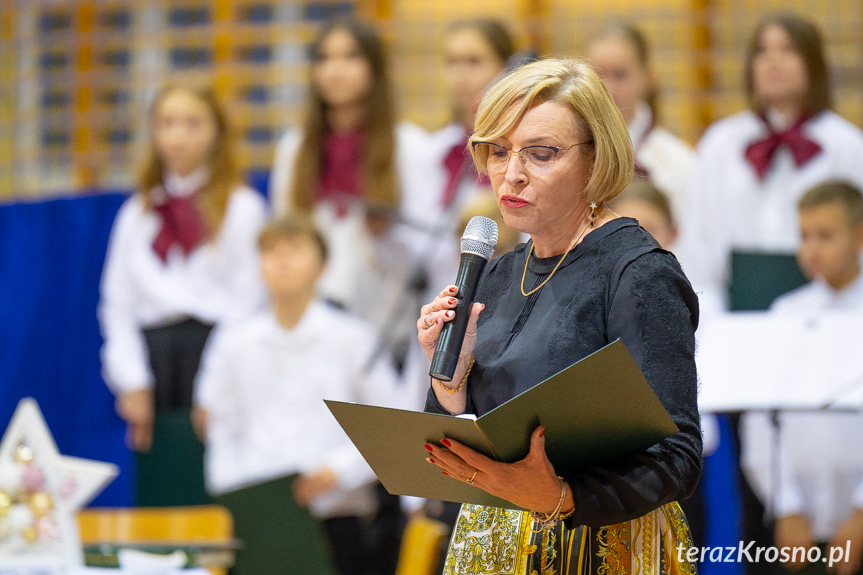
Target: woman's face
[
  {"x": 471, "y": 65},
  {"x": 779, "y": 73},
  {"x": 184, "y": 131},
  {"x": 341, "y": 74},
  {"x": 544, "y": 202},
  {"x": 628, "y": 81}
]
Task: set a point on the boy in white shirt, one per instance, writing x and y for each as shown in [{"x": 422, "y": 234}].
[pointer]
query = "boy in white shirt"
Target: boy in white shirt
[
  {"x": 820, "y": 494},
  {"x": 262, "y": 388}
]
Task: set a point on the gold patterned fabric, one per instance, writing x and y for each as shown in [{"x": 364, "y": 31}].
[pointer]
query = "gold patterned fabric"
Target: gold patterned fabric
[{"x": 492, "y": 540}]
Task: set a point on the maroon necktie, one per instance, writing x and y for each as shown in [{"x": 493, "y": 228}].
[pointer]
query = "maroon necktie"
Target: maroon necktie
[
  {"x": 761, "y": 153},
  {"x": 453, "y": 162},
  {"x": 457, "y": 163},
  {"x": 181, "y": 225}
]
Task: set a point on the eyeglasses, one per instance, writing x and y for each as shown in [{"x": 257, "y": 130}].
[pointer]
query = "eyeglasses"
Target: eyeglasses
[{"x": 541, "y": 158}]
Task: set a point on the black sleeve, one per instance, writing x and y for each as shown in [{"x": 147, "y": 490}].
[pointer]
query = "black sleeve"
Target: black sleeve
[{"x": 654, "y": 312}]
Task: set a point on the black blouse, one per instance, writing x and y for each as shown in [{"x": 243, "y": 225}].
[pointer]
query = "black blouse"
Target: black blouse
[{"x": 617, "y": 283}]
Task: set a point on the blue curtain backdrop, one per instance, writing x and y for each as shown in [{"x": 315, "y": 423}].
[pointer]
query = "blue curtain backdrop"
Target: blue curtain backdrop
[{"x": 51, "y": 257}]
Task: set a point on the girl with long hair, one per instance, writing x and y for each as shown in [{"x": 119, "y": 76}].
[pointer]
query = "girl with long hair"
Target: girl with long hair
[
  {"x": 181, "y": 258},
  {"x": 347, "y": 163},
  {"x": 621, "y": 56},
  {"x": 476, "y": 51},
  {"x": 350, "y": 166}
]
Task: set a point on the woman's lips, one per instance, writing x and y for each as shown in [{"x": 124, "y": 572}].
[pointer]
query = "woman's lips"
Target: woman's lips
[{"x": 513, "y": 201}]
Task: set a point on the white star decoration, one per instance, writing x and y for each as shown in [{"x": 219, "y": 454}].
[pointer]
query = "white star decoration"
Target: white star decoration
[{"x": 40, "y": 492}]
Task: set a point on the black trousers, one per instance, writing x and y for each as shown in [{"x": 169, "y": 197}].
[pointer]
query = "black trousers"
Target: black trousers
[
  {"x": 172, "y": 472},
  {"x": 175, "y": 355}
]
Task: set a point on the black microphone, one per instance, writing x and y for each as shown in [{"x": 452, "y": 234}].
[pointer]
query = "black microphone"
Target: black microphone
[{"x": 477, "y": 246}]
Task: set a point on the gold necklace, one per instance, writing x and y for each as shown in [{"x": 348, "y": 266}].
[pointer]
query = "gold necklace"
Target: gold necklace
[{"x": 560, "y": 261}]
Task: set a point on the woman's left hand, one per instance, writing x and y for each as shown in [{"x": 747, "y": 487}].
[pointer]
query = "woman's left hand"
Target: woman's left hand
[{"x": 530, "y": 483}]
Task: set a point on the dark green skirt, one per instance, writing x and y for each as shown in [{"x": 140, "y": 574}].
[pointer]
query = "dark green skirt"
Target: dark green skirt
[{"x": 278, "y": 536}]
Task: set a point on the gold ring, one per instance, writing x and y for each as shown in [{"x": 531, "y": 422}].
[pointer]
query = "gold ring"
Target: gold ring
[
  {"x": 426, "y": 321},
  {"x": 472, "y": 477}
]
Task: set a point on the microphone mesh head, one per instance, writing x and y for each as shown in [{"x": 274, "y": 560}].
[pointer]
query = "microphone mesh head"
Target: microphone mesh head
[{"x": 480, "y": 237}]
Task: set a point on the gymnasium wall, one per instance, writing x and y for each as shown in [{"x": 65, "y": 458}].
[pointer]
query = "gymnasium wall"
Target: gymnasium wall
[{"x": 76, "y": 76}]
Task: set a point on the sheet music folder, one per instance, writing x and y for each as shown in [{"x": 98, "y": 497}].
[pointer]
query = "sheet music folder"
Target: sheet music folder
[
  {"x": 595, "y": 411},
  {"x": 758, "y": 278}
]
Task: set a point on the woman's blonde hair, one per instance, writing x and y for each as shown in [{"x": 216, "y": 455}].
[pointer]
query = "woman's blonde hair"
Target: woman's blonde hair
[
  {"x": 224, "y": 176},
  {"x": 572, "y": 83}
]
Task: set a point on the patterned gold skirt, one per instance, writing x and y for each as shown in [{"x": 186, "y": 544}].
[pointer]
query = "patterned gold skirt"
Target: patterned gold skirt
[{"x": 499, "y": 541}]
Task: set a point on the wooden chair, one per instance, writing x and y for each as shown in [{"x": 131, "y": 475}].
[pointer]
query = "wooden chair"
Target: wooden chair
[
  {"x": 204, "y": 524},
  {"x": 421, "y": 547}
]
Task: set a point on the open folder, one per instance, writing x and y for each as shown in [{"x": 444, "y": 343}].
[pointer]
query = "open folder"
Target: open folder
[{"x": 595, "y": 411}]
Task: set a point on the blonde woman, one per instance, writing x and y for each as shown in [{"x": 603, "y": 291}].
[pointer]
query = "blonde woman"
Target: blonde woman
[{"x": 556, "y": 149}]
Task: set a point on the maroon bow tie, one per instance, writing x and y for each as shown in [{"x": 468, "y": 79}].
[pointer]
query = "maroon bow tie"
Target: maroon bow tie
[
  {"x": 340, "y": 170},
  {"x": 761, "y": 153},
  {"x": 458, "y": 163},
  {"x": 641, "y": 169},
  {"x": 181, "y": 225}
]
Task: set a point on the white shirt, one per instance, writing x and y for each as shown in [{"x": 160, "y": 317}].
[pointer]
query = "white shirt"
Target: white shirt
[
  {"x": 820, "y": 465},
  {"x": 264, "y": 386},
  {"x": 218, "y": 281},
  {"x": 817, "y": 296},
  {"x": 730, "y": 208},
  {"x": 362, "y": 268},
  {"x": 668, "y": 159}
]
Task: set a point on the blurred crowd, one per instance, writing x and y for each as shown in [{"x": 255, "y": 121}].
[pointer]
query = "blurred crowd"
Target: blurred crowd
[{"x": 227, "y": 318}]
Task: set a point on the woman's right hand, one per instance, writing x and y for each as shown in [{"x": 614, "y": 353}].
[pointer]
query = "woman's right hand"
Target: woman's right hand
[{"x": 432, "y": 319}]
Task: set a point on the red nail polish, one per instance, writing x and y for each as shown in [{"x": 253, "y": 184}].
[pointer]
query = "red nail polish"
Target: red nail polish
[
  {"x": 542, "y": 432},
  {"x": 452, "y": 290},
  {"x": 444, "y": 473},
  {"x": 431, "y": 460},
  {"x": 446, "y": 442},
  {"x": 429, "y": 447},
  {"x": 450, "y": 313},
  {"x": 451, "y": 300}
]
